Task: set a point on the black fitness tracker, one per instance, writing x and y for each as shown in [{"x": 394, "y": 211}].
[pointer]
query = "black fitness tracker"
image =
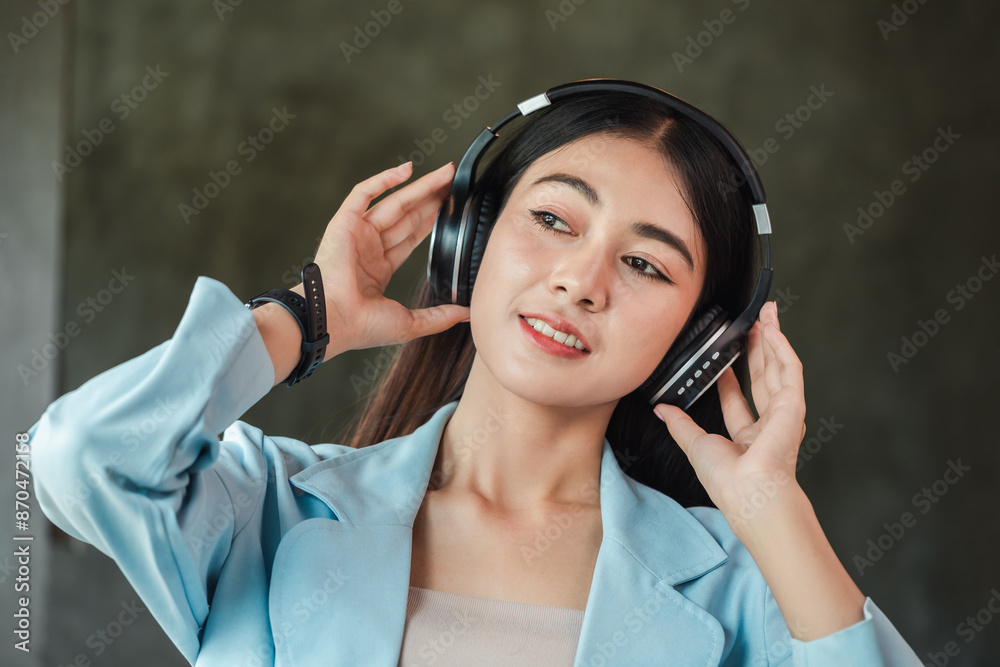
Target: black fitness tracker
[{"x": 309, "y": 312}]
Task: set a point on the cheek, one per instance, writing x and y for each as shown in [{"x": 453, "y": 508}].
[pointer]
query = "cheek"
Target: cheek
[
  {"x": 505, "y": 262},
  {"x": 653, "y": 336},
  {"x": 491, "y": 277}
]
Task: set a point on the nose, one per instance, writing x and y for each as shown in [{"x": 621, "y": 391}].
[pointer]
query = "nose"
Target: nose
[{"x": 584, "y": 274}]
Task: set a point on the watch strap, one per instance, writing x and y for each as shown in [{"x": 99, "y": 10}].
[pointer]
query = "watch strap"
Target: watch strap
[
  {"x": 316, "y": 339},
  {"x": 309, "y": 313}
]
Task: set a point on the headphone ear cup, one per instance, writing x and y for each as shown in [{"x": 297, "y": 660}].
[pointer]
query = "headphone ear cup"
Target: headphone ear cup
[
  {"x": 683, "y": 349},
  {"x": 444, "y": 250},
  {"x": 484, "y": 212}
]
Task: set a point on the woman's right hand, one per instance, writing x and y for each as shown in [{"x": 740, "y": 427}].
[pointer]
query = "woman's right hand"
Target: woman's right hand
[{"x": 363, "y": 247}]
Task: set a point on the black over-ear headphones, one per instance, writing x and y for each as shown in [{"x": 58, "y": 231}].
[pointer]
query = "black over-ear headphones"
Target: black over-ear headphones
[{"x": 710, "y": 343}]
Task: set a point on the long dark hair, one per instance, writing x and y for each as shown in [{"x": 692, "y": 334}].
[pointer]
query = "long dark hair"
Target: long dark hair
[{"x": 432, "y": 371}]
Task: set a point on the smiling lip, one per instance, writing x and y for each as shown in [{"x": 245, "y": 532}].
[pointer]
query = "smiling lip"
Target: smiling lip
[
  {"x": 550, "y": 345},
  {"x": 559, "y": 324}
]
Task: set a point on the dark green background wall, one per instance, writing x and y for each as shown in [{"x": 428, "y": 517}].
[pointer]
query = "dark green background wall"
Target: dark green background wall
[{"x": 846, "y": 301}]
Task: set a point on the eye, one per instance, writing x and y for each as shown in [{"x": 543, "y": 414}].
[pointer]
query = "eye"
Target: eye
[
  {"x": 543, "y": 219},
  {"x": 656, "y": 275},
  {"x": 546, "y": 221}
]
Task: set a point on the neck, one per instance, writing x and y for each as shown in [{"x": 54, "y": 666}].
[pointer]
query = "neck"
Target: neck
[{"x": 516, "y": 455}]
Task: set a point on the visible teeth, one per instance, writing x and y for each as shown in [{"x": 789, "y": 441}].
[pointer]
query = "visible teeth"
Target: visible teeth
[{"x": 542, "y": 327}]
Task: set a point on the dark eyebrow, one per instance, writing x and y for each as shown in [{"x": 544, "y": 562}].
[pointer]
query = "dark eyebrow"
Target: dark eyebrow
[
  {"x": 646, "y": 230},
  {"x": 642, "y": 229},
  {"x": 577, "y": 184}
]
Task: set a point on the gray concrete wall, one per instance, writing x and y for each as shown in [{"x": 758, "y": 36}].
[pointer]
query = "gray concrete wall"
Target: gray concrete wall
[
  {"x": 32, "y": 115},
  {"x": 848, "y": 299}
]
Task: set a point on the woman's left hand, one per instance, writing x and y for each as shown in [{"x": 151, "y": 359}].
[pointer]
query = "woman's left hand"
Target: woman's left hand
[{"x": 744, "y": 474}]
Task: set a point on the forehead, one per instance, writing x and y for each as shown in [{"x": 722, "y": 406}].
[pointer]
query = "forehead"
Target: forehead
[
  {"x": 602, "y": 143},
  {"x": 612, "y": 161}
]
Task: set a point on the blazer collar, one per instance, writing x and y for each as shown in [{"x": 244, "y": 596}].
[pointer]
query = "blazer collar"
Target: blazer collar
[
  {"x": 632, "y": 514},
  {"x": 650, "y": 543}
]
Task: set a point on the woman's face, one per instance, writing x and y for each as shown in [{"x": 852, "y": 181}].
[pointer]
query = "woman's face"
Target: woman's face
[{"x": 569, "y": 249}]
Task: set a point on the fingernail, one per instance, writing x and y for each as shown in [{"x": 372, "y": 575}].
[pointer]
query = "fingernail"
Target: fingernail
[
  {"x": 409, "y": 162},
  {"x": 659, "y": 416}
]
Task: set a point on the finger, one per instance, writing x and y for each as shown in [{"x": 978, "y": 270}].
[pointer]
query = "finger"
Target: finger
[
  {"x": 415, "y": 219},
  {"x": 362, "y": 194},
  {"x": 788, "y": 363},
  {"x": 387, "y": 212},
  {"x": 772, "y": 367},
  {"x": 787, "y": 367},
  {"x": 774, "y": 315},
  {"x": 401, "y": 250},
  {"x": 706, "y": 452},
  {"x": 771, "y": 372},
  {"x": 782, "y": 423},
  {"x": 755, "y": 356},
  {"x": 435, "y": 319},
  {"x": 735, "y": 409},
  {"x": 683, "y": 429},
  {"x": 755, "y": 353}
]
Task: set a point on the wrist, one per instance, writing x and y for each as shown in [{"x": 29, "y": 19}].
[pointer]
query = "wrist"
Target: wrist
[
  {"x": 767, "y": 504},
  {"x": 306, "y": 306},
  {"x": 816, "y": 595},
  {"x": 337, "y": 344},
  {"x": 282, "y": 338}
]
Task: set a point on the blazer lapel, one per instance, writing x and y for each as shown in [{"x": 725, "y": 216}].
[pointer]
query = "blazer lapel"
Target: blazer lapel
[
  {"x": 634, "y": 614},
  {"x": 339, "y": 588}
]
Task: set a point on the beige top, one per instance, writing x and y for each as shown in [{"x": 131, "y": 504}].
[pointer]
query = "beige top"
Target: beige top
[{"x": 445, "y": 629}]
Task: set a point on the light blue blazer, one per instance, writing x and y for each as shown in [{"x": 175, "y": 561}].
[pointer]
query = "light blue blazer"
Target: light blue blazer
[{"x": 257, "y": 550}]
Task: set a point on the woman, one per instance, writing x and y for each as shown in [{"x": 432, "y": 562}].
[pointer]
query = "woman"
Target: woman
[{"x": 522, "y": 505}]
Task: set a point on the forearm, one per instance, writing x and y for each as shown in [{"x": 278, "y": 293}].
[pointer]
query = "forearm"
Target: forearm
[
  {"x": 123, "y": 461},
  {"x": 816, "y": 595},
  {"x": 150, "y": 422}
]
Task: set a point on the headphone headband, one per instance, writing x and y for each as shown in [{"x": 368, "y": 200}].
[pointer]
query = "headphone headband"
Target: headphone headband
[{"x": 460, "y": 233}]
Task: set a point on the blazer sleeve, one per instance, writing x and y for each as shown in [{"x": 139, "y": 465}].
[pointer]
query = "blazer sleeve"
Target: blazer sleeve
[
  {"x": 871, "y": 642},
  {"x": 127, "y": 462}
]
